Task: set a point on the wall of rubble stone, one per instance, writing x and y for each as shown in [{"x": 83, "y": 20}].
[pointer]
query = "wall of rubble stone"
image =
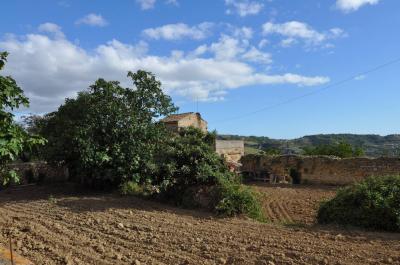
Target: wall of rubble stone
[
  {"x": 33, "y": 172},
  {"x": 321, "y": 169}
]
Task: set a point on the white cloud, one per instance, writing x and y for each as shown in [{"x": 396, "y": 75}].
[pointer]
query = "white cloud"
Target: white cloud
[
  {"x": 243, "y": 7},
  {"x": 263, "y": 43},
  {"x": 92, "y": 20},
  {"x": 51, "y": 28},
  {"x": 146, "y": 4},
  {"x": 294, "y": 31},
  {"x": 353, "y": 5},
  {"x": 257, "y": 56},
  {"x": 50, "y": 68},
  {"x": 241, "y": 32},
  {"x": 179, "y": 31},
  {"x": 172, "y": 2}
]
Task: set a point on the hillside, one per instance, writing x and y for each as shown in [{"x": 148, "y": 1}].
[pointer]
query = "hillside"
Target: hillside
[{"x": 373, "y": 145}]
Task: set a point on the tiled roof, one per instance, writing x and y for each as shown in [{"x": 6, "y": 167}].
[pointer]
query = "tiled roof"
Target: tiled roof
[{"x": 176, "y": 117}]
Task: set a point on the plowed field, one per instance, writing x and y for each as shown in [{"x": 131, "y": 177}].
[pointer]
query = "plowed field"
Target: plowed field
[{"x": 55, "y": 227}]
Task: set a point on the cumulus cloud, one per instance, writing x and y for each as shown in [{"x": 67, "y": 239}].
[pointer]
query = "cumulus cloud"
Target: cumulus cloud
[
  {"x": 179, "y": 31},
  {"x": 241, "y": 32},
  {"x": 257, "y": 56},
  {"x": 95, "y": 20},
  {"x": 146, "y": 4},
  {"x": 243, "y": 7},
  {"x": 294, "y": 31},
  {"x": 51, "y": 28},
  {"x": 353, "y": 5},
  {"x": 50, "y": 68}
]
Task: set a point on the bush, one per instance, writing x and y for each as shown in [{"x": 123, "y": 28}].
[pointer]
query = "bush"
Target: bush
[
  {"x": 135, "y": 189},
  {"x": 191, "y": 174},
  {"x": 236, "y": 199},
  {"x": 373, "y": 203}
]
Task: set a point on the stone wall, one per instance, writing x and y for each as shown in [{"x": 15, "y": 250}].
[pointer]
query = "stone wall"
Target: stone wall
[
  {"x": 320, "y": 169},
  {"x": 34, "y": 172},
  {"x": 231, "y": 150}
]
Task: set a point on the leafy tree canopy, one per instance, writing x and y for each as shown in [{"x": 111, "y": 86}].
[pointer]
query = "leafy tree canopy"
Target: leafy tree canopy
[
  {"x": 13, "y": 139},
  {"x": 109, "y": 133}
]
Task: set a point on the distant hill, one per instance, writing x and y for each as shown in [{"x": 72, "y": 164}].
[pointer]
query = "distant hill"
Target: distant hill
[{"x": 373, "y": 145}]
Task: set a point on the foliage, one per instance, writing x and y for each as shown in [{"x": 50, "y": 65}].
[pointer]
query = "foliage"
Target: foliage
[
  {"x": 237, "y": 199},
  {"x": 341, "y": 149},
  {"x": 188, "y": 160},
  {"x": 188, "y": 164},
  {"x": 271, "y": 152},
  {"x": 372, "y": 203},
  {"x": 108, "y": 134},
  {"x": 13, "y": 139}
]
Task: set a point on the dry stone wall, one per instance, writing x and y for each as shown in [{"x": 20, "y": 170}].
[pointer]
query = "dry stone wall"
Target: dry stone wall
[
  {"x": 321, "y": 169},
  {"x": 33, "y": 172}
]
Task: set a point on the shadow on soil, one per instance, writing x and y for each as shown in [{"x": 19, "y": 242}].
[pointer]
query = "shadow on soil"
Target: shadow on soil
[{"x": 76, "y": 200}]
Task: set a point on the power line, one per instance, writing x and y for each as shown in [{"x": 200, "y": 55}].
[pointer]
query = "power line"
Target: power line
[{"x": 351, "y": 78}]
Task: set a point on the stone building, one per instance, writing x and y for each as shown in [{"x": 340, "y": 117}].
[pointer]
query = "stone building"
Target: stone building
[
  {"x": 231, "y": 150},
  {"x": 175, "y": 122}
]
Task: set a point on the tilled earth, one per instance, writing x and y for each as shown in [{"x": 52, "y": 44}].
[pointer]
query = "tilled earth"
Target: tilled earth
[{"x": 54, "y": 227}]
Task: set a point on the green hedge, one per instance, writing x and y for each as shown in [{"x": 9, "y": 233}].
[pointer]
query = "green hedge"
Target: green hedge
[{"x": 373, "y": 203}]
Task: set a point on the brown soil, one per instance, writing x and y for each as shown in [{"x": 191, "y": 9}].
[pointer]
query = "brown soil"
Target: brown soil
[
  {"x": 289, "y": 204},
  {"x": 108, "y": 229}
]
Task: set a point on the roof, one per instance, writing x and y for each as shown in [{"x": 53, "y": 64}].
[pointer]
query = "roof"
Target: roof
[{"x": 177, "y": 117}]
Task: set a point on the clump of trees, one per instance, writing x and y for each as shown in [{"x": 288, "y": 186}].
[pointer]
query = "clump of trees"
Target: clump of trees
[
  {"x": 108, "y": 134},
  {"x": 340, "y": 149},
  {"x": 373, "y": 203},
  {"x": 110, "y": 137},
  {"x": 13, "y": 138}
]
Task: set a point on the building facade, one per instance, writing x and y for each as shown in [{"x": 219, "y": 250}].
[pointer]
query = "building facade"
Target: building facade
[{"x": 175, "y": 122}]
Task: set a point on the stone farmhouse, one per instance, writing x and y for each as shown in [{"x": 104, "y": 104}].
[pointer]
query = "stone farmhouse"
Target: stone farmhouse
[{"x": 175, "y": 122}]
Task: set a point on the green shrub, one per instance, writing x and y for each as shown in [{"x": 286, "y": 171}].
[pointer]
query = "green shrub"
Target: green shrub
[
  {"x": 191, "y": 174},
  {"x": 131, "y": 188},
  {"x": 135, "y": 189},
  {"x": 236, "y": 199},
  {"x": 373, "y": 203}
]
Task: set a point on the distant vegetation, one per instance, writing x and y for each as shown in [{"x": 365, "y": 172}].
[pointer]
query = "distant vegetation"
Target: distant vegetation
[
  {"x": 341, "y": 149},
  {"x": 372, "y": 145},
  {"x": 372, "y": 203}
]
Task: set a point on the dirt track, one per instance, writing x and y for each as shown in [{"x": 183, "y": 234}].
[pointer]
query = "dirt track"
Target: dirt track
[{"x": 109, "y": 229}]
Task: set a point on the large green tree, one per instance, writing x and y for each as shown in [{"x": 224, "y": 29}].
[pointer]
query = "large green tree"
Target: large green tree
[
  {"x": 109, "y": 134},
  {"x": 13, "y": 139}
]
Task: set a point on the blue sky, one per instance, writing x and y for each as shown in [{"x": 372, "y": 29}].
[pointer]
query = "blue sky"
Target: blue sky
[{"x": 236, "y": 61}]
